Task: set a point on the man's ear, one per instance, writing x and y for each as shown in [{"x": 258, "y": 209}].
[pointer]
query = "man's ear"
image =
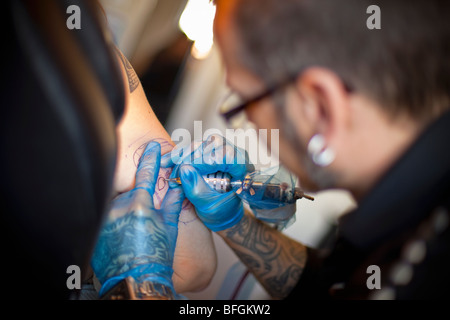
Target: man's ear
[{"x": 325, "y": 103}]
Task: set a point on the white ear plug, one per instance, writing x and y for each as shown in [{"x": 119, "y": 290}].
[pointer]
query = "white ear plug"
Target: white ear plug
[{"x": 321, "y": 155}]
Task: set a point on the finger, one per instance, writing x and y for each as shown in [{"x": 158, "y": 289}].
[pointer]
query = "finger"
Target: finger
[
  {"x": 188, "y": 154},
  {"x": 195, "y": 188},
  {"x": 172, "y": 204},
  {"x": 148, "y": 168},
  {"x": 218, "y": 154},
  {"x": 167, "y": 161},
  {"x": 174, "y": 175},
  {"x": 178, "y": 155}
]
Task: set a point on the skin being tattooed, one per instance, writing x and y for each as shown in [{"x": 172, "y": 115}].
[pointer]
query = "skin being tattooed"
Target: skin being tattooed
[
  {"x": 162, "y": 185},
  {"x": 195, "y": 257}
]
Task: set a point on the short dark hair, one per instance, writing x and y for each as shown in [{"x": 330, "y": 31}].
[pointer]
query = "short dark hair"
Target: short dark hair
[{"x": 405, "y": 66}]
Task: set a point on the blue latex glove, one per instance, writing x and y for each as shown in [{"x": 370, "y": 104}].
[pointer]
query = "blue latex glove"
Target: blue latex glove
[
  {"x": 209, "y": 156},
  {"x": 218, "y": 211},
  {"x": 137, "y": 240}
]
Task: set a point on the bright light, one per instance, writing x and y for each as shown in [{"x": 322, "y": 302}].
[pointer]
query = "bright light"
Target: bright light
[{"x": 197, "y": 23}]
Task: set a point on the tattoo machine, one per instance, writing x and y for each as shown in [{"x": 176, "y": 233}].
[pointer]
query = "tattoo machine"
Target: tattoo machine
[{"x": 272, "y": 197}]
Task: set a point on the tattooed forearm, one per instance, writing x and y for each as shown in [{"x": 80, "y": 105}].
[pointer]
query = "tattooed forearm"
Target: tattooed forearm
[
  {"x": 133, "y": 79},
  {"x": 275, "y": 260}
]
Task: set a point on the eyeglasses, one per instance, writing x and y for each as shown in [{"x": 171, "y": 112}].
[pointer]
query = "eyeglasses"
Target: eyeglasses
[
  {"x": 231, "y": 108},
  {"x": 233, "y": 105}
]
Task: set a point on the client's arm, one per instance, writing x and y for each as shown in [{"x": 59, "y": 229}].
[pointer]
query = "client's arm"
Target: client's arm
[{"x": 195, "y": 257}]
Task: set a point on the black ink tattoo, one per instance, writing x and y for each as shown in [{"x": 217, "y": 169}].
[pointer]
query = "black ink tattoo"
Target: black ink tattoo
[
  {"x": 133, "y": 79},
  {"x": 276, "y": 260},
  {"x": 116, "y": 241}
]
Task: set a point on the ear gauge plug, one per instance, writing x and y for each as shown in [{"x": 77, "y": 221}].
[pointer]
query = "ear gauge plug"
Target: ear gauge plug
[{"x": 321, "y": 155}]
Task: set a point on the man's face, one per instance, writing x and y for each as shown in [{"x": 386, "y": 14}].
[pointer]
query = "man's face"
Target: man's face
[{"x": 264, "y": 114}]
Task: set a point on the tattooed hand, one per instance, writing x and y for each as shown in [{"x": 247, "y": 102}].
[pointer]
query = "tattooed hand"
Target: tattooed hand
[{"x": 138, "y": 240}]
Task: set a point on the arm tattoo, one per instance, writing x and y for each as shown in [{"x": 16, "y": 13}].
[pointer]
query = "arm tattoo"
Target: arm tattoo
[
  {"x": 153, "y": 245},
  {"x": 133, "y": 80},
  {"x": 275, "y": 260}
]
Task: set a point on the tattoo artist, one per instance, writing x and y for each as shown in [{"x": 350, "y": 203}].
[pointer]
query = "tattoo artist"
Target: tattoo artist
[{"x": 358, "y": 109}]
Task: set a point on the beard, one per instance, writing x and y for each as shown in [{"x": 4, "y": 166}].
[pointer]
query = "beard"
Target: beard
[
  {"x": 317, "y": 177},
  {"x": 321, "y": 177}
]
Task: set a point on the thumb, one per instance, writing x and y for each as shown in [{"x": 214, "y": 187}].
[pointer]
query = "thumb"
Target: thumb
[
  {"x": 148, "y": 168},
  {"x": 169, "y": 160},
  {"x": 172, "y": 205},
  {"x": 174, "y": 157}
]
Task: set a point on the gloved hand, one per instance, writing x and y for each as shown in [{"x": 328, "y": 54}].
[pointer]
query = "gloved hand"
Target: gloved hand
[
  {"x": 137, "y": 240},
  {"x": 218, "y": 211}
]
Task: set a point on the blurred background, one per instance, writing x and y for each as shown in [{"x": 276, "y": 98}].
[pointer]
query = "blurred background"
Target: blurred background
[{"x": 170, "y": 45}]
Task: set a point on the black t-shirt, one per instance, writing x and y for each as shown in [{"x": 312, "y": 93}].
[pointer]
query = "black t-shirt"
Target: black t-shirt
[{"x": 399, "y": 233}]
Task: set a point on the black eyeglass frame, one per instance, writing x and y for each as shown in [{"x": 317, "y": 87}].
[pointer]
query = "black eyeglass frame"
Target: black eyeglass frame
[{"x": 227, "y": 115}]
